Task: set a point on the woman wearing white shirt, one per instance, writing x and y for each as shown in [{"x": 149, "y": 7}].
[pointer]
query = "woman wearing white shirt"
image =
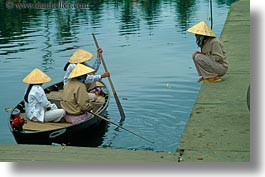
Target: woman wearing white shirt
[{"x": 37, "y": 106}]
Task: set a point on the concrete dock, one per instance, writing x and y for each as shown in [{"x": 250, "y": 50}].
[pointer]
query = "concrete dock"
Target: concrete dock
[
  {"x": 218, "y": 129},
  {"x": 219, "y": 126}
]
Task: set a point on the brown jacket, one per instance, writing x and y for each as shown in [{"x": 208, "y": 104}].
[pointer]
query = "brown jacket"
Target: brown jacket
[
  {"x": 215, "y": 50},
  {"x": 75, "y": 100}
]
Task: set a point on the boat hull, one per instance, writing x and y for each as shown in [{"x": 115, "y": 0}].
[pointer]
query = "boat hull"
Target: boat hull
[{"x": 71, "y": 135}]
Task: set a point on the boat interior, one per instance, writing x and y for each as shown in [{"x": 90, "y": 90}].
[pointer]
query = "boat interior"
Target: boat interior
[{"x": 54, "y": 96}]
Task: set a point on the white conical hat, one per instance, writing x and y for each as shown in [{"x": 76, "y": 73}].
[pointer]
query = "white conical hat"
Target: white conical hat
[
  {"x": 80, "y": 70},
  {"x": 36, "y": 76},
  {"x": 80, "y": 56},
  {"x": 202, "y": 28}
]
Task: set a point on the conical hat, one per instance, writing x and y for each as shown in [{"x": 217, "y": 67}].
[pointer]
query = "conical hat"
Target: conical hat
[
  {"x": 202, "y": 28},
  {"x": 80, "y": 56},
  {"x": 94, "y": 84},
  {"x": 80, "y": 70},
  {"x": 36, "y": 76}
]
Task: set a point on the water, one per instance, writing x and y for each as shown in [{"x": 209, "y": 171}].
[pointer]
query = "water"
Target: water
[{"x": 145, "y": 47}]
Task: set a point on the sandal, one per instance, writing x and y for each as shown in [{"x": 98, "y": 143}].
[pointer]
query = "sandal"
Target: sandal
[
  {"x": 213, "y": 80},
  {"x": 200, "y": 79}
]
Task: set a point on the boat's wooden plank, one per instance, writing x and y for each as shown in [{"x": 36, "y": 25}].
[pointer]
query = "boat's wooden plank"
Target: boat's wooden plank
[
  {"x": 32, "y": 125},
  {"x": 55, "y": 97}
]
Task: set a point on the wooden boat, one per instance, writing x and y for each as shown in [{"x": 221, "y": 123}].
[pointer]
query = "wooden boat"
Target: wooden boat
[{"x": 61, "y": 133}]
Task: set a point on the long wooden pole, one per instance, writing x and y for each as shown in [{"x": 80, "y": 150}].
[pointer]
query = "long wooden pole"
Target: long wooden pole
[
  {"x": 111, "y": 84},
  {"x": 101, "y": 117},
  {"x": 211, "y": 9}
]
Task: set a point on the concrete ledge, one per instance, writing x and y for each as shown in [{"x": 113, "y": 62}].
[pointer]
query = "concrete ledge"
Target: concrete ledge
[
  {"x": 48, "y": 153},
  {"x": 219, "y": 126}
]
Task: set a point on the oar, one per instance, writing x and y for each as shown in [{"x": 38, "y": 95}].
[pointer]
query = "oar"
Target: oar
[
  {"x": 111, "y": 84},
  {"x": 101, "y": 117}
]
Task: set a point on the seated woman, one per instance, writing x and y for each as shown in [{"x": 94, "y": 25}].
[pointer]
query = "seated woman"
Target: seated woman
[
  {"x": 37, "y": 106},
  {"x": 75, "y": 99}
]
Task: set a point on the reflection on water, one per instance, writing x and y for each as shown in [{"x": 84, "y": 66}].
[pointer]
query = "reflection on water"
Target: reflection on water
[{"x": 145, "y": 46}]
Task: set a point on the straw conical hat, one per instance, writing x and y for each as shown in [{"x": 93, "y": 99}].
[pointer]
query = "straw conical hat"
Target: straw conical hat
[
  {"x": 80, "y": 70},
  {"x": 202, "y": 28},
  {"x": 80, "y": 56},
  {"x": 94, "y": 84},
  {"x": 36, "y": 76}
]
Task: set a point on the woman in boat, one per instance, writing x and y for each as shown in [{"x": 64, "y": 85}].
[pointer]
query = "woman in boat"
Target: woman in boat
[
  {"x": 37, "y": 106},
  {"x": 211, "y": 62},
  {"x": 81, "y": 56},
  {"x": 75, "y": 100}
]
